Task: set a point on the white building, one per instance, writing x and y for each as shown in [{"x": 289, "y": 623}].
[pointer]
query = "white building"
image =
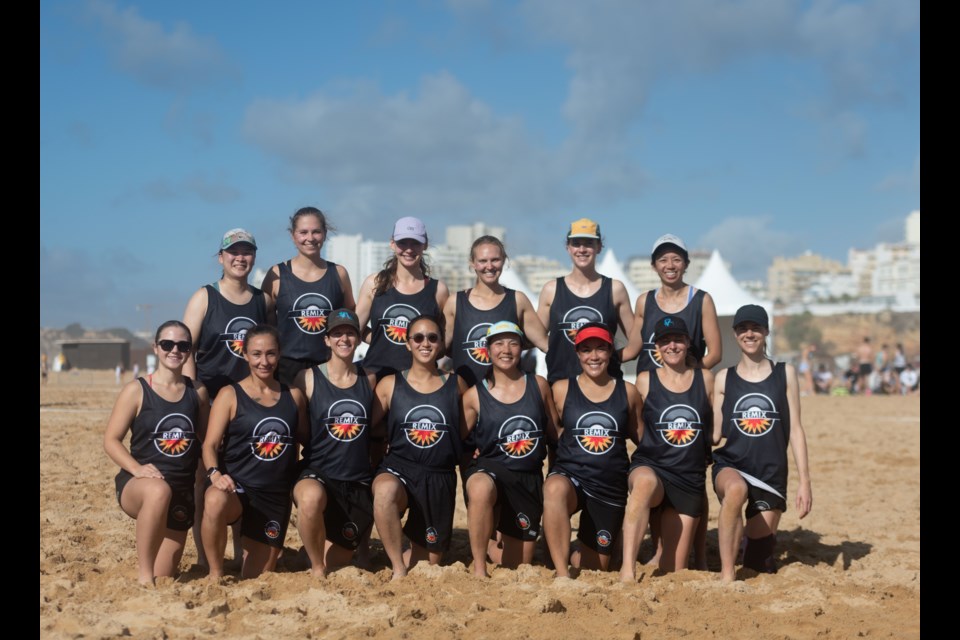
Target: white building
[
  {"x": 913, "y": 228},
  {"x": 641, "y": 273},
  {"x": 536, "y": 271},
  {"x": 360, "y": 257},
  {"x": 460, "y": 237}
]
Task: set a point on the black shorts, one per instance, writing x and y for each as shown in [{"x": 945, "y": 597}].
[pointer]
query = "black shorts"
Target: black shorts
[
  {"x": 680, "y": 499},
  {"x": 266, "y": 515},
  {"x": 288, "y": 368},
  {"x": 865, "y": 369},
  {"x": 182, "y": 502},
  {"x": 758, "y": 500},
  {"x": 349, "y": 513},
  {"x": 519, "y": 497},
  {"x": 600, "y": 521},
  {"x": 431, "y": 501}
]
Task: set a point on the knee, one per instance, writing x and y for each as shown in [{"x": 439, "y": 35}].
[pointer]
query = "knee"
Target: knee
[
  {"x": 735, "y": 494},
  {"x": 480, "y": 492},
  {"x": 214, "y": 504},
  {"x": 311, "y": 501},
  {"x": 157, "y": 492}
]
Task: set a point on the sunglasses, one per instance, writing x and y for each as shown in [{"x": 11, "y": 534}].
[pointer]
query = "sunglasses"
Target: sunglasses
[
  {"x": 432, "y": 338},
  {"x": 183, "y": 346}
]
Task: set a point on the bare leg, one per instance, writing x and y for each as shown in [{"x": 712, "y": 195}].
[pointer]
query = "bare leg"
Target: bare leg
[
  {"x": 700, "y": 538},
  {"x": 147, "y": 500},
  {"x": 559, "y": 503},
  {"x": 257, "y": 558},
  {"x": 646, "y": 491},
  {"x": 732, "y": 491},
  {"x": 516, "y": 552},
  {"x": 389, "y": 503},
  {"x": 220, "y": 508},
  {"x": 170, "y": 553},
  {"x": 336, "y": 556},
  {"x": 481, "y": 498},
  {"x": 310, "y": 497},
  {"x": 677, "y": 532},
  {"x": 418, "y": 553},
  {"x": 761, "y": 535},
  {"x": 198, "y": 497}
]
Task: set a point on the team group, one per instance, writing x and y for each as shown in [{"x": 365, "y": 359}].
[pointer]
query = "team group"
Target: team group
[{"x": 253, "y": 377}]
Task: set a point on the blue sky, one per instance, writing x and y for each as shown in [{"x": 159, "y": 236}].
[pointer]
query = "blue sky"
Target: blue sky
[{"x": 760, "y": 127}]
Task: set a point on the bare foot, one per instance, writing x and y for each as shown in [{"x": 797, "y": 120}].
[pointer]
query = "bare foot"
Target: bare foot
[
  {"x": 318, "y": 572},
  {"x": 627, "y": 575}
]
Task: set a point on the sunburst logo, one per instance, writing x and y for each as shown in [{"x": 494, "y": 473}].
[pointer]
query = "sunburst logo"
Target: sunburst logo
[
  {"x": 431, "y": 536},
  {"x": 235, "y": 334},
  {"x": 754, "y": 414},
  {"x": 424, "y": 426},
  {"x": 346, "y": 420},
  {"x": 268, "y": 447},
  {"x": 272, "y": 530},
  {"x": 679, "y": 425},
  {"x": 350, "y": 531},
  {"x": 395, "y": 320},
  {"x": 475, "y": 344},
  {"x": 271, "y": 438},
  {"x": 596, "y": 432},
  {"x": 523, "y": 521},
  {"x": 653, "y": 352},
  {"x": 309, "y": 313},
  {"x": 576, "y": 318},
  {"x": 519, "y": 436},
  {"x": 604, "y": 539},
  {"x": 173, "y": 436}
]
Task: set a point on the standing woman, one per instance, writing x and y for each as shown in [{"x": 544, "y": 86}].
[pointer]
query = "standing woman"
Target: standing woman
[
  {"x": 470, "y": 313},
  {"x": 582, "y": 296},
  {"x": 674, "y": 297},
  {"x": 511, "y": 416},
  {"x": 257, "y": 421},
  {"x": 167, "y": 415},
  {"x": 422, "y": 407},
  {"x": 219, "y": 315},
  {"x": 668, "y": 469},
  {"x": 306, "y": 289},
  {"x": 332, "y": 494},
  {"x": 401, "y": 291},
  {"x": 598, "y": 414},
  {"x": 760, "y": 416}
]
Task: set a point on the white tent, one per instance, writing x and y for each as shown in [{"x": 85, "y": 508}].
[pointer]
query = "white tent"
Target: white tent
[
  {"x": 610, "y": 267},
  {"x": 511, "y": 279},
  {"x": 728, "y": 296}
]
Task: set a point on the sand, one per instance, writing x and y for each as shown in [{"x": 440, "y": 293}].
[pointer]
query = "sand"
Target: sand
[{"x": 850, "y": 569}]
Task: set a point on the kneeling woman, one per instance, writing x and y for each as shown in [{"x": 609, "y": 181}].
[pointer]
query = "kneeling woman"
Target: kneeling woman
[
  {"x": 598, "y": 413},
  {"x": 668, "y": 468},
  {"x": 422, "y": 407},
  {"x": 166, "y": 413},
  {"x": 257, "y": 420},
  {"x": 333, "y": 498},
  {"x": 760, "y": 416},
  {"x": 511, "y": 415}
]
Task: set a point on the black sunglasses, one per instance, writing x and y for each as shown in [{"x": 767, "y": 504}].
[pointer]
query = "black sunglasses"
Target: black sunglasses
[
  {"x": 433, "y": 338},
  {"x": 183, "y": 346}
]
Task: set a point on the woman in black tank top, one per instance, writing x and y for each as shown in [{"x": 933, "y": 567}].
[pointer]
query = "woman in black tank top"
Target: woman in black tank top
[
  {"x": 425, "y": 457},
  {"x": 471, "y": 312},
  {"x": 390, "y": 299},
  {"x": 513, "y": 417},
  {"x": 669, "y": 465},
  {"x": 167, "y": 414},
  {"x": 758, "y": 414},
  {"x": 266, "y": 395},
  {"x": 305, "y": 290}
]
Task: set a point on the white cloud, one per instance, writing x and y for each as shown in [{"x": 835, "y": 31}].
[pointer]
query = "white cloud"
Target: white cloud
[
  {"x": 175, "y": 59},
  {"x": 750, "y": 244},
  {"x": 904, "y": 179}
]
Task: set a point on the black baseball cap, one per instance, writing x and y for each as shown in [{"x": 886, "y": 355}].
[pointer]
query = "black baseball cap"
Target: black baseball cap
[
  {"x": 752, "y": 313},
  {"x": 670, "y": 326}
]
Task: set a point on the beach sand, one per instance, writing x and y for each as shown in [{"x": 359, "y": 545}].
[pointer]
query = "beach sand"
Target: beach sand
[{"x": 850, "y": 569}]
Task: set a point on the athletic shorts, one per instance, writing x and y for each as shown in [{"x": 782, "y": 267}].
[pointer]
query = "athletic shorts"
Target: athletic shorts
[
  {"x": 266, "y": 515},
  {"x": 431, "y": 501},
  {"x": 519, "y": 498},
  {"x": 182, "y": 502},
  {"x": 288, "y": 368},
  {"x": 758, "y": 500},
  {"x": 865, "y": 369},
  {"x": 349, "y": 513},
  {"x": 680, "y": 499},
  {"x": 600, "y": 521}
]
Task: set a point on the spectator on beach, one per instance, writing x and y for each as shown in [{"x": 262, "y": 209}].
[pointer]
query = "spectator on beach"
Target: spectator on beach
[
  {"x": 823, "y": 380},
  {"x": 909, "y": 380},
  {"x": 864, "y": 358}
]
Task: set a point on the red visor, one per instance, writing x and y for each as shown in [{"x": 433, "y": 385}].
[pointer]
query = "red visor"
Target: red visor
[{"x": 593, "y": 332}]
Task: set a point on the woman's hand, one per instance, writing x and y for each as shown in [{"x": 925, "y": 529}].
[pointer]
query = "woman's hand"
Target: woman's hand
[
  {"x": 223, "y": 482},
  {"x": 147, "y": 471}
]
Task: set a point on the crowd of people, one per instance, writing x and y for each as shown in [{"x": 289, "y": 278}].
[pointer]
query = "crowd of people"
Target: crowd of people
[
  {"x": 885, "y": 371},
  {"x": 259, "y": 403}
]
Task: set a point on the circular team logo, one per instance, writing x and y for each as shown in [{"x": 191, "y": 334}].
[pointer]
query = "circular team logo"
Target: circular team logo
[
  {"x": 679, "y": 425},
  {"x": 310, "y": 313},
  {"x": 424, "y": 426},
  {"x": 395, "y": 320},
  {"x": 519, "y": 436},
  {"x": 596, "y": 432},
  {"x": 350, "y": 531},
  {"x": 761, "y": 505},
  {"x": 431, "y": 536},
  {"x": 235, "y": 333},
  {"x": 476, "y": 344},
  {"x": 604, "y": 539},
  {"x": 346, "y": 420},
  {"x": 523, "y": 521},
  {"x": 653, "y": 351},
  {"x": 179, "y": 513},
  {"x": 576, "y": 318},
  {"x": 173, "y": 436},
  {"x": 270, "y": 439},
  {"x": 272, "y": 530},
  {"x": 754, "y": 414}
]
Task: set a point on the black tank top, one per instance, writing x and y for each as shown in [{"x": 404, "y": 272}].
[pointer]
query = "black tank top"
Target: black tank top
[
  {"x": 389, "y": 316},
  {"x": 163, "y": 434},
  {"x": 339, "y": 445},
  {"x": 423, "y": 428},
  {"x": 567, "y": 314},
  {"x": 220, "y": 346},
  {"x": 259, "y": 447},
  {"x": 676, "y": 432},
  {"x": 756, "y": 425},
  {"x": 470, "y": 358},
  {"x": 512, "y": 434},
  {"x": 593, "y": 445},
  {"x": 692, "y": 314},
  {"x": 302, "y": 310}
]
